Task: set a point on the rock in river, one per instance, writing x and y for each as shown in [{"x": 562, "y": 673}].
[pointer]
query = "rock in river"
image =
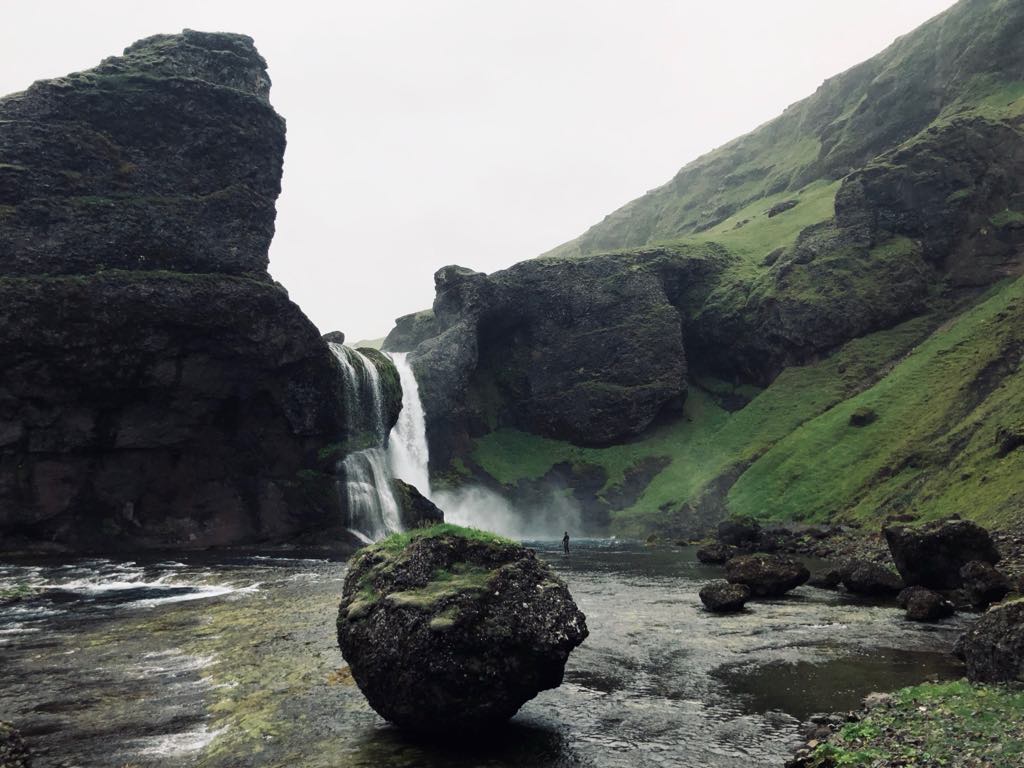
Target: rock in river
[
  {"x": 13, "y": 752},
  {"x": 716, "y": 554},
  {"x": 448, "y": 628},
  {"x": 925, "y": 605},
  {"x": 767, "y": 575},
  {"x": 993, "y": 648},
  {"x": 723, "y": 597},
  {"x": 867, "y": 578},
  {"x": 933, "y": 555}
]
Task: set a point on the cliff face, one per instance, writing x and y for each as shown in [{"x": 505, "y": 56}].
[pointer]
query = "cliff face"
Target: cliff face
[{"x": 156, "y": 387}]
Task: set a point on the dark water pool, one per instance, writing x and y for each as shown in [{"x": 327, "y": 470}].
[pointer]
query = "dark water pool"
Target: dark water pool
[{"x": 231, "y": 661}]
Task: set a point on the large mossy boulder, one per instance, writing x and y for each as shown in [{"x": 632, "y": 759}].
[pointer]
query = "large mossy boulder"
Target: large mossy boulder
[
  {"x": 767, "y": 575},
  {"x": 993, "y": 648},
  {"x": 447, "y": 629},
  {"x": 723, "y": 597},
  {"x": 933, "y": 555}
]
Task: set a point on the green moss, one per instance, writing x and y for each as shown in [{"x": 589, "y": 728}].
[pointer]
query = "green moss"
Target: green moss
[
  {"x": 934, "y": 724},
  {"x": 1007, "y": 218},
  {"x": 443, "y": 584},
  {"x": 399, "y": 541}
]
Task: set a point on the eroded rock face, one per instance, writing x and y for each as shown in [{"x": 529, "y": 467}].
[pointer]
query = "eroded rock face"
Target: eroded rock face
[
  {"x": 767, "y": 575},
  {"x": 993, "y": 648},
  {"x": 586, "y": 350},
  {"x": 451, "y": 633},
  {"x": 932, "y": 556},
  {"x": 158, "y": 388}
]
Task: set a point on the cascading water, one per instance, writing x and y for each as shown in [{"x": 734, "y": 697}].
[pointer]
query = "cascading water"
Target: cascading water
[
  {"x": 365, "y": 473},
  {"x": 407, "y": 448}
]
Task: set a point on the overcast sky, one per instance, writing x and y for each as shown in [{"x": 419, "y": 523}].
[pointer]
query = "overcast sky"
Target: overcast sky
[{"x": 430, "y": 132}]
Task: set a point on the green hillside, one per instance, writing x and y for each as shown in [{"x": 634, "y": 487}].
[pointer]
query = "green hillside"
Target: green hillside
[{"x": 860, "y": 352}]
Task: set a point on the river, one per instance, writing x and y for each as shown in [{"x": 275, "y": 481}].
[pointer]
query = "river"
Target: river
[{"x": 231, "y": 661}]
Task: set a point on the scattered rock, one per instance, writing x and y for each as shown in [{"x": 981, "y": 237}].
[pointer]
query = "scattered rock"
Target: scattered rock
[
  {"x": 767, "y": 575},
  {"x": 415, "y": 509},
  {"x": 723, "y": 597},
  {"x": 983, "y": 584},
  {"x": 739, "y": 531},
  {"x": 334, "y": 337},
  {"x": 716, "y": 554},
  {"x": 1008, "y": 440},
  {"x": 782, "y": 207},
  {"x": 13, "y": 751},
  {"x": 454, "y": 630},
  {"x": 993, "y": 648},
  {"x": 925, "y": 605},
  {"x": 866, "y": 578},
  {"x": 827, "y": 579},
  {"x": 862, "y": 417},
  {"x": 933, "y": 555}
]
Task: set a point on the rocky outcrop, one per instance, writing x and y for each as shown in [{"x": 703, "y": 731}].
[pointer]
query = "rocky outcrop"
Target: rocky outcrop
[
  {"x": 454, "y": 630},
  {"x": 767, "y": 575},
  {"x": 993, "y": 648},
  {"x": 723, "y": 597},
  {"x": 158, "y": 388},
  {"x": 932, "y": 555},
  {"x": 13, "y": 751},
  {"x": 587, "y": 350}
]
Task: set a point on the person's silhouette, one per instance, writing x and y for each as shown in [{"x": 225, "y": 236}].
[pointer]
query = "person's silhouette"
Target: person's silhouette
[{"x": 565, "y": 543}]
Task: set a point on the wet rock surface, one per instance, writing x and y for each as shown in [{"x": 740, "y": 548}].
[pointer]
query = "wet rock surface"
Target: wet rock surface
[
  {"x": 767, "y": 575},
  {"x": 926, "y": 605},
  {"x": 932, "y": 555},
  {"x": 993, "y": 647},
  {"x": 983, "y": 584},
  {"x": 863, "y": 577},
  {"x": 716, "y": 554},
  {"x": 449, "y": 632},
  {"x": 416, "y": 510}
]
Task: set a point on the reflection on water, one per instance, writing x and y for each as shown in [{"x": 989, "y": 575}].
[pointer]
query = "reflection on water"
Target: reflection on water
[{"x": 159, "y": 658}]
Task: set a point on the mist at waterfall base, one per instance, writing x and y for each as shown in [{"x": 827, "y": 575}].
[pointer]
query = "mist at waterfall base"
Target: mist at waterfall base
[{"x": 366, "y": 474}]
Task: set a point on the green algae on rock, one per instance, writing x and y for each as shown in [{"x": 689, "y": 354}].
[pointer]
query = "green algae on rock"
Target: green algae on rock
[{"x": 448, "y": 627}]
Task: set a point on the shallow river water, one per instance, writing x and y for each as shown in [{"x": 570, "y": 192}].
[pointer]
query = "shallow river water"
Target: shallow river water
[{"x": 232, "y": 661}]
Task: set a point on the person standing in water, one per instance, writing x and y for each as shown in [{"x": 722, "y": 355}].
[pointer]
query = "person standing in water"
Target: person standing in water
[{"x": 565, "y": 542}]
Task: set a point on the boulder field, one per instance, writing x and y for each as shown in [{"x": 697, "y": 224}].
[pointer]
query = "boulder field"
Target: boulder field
[
  {"x": 449, "y": 629},
  {"x": 158, "y": 388}
]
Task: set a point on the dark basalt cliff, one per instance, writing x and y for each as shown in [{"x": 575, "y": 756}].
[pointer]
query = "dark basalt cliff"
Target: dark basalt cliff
[{"x": 157, "y": 388}]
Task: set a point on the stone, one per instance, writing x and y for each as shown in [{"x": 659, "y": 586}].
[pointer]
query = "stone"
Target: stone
[
  {"x": 766, "y": 575},
  {"x": 334, "y": 337},
  {"x": 14, "y": 753},
  {"x": 862, "y": 417},
  {"x": 782, "y": 207},
  {"x": 454, "y": 630},
  {"x": 925, "y": 605},
  {"x": 993, "y": 648},
  {"x": 415, "y": 509},
  {"x": 864, "y": 577},
  {"x": 984, "y": 584},
  {"x": 932, "y": 555},
  {"x": 830, "y": 578},
  {"x": 723, "y": 597},
  {"x": 716, "y": 554}
]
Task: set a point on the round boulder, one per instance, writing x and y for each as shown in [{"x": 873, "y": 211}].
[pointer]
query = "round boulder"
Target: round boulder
[
  {"x": 723, "y": 597},
  {"x": 925, "y": 605},
  {"x": 13, "y": 752},
  {"x": 993, "y": 648},
  {"x": 864, "y": 577},
  {"x": 449, "y": 628},
  {"x": 766, "y": 575},
  {"x": 716, "y": 554},
  {"x": 983, "y": 584}
]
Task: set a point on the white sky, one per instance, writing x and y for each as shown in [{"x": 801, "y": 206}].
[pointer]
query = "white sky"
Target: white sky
[{"x": 430, "y": 132}]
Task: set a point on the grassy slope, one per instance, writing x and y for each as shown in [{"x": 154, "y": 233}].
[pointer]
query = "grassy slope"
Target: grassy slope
[
  {"x": 934, "y": 724},
  {"x": 932, "y": 447}
]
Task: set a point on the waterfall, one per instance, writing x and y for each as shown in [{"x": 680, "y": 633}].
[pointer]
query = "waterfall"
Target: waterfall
[
  {"x": 365, "y": 472},
  {"x": 408, "y": 453}
]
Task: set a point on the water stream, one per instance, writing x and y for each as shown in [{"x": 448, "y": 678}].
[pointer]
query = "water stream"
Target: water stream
[{"x": 221, "y": 661}]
